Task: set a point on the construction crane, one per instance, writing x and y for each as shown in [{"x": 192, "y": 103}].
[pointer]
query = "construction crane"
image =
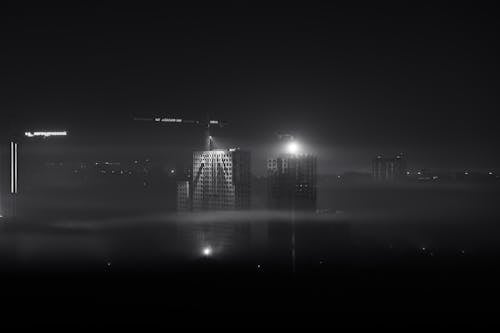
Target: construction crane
[
  {"x": 207, "y": 124},
  {"x": 285, "y": 136},
  {"x": 217, "y": 169}
]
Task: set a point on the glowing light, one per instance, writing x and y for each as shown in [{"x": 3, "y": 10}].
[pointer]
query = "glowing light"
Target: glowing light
[
  {"x": 13, "y": 168},
  {"x": 45, "y": 134},
  {"x": 168, "y": 120},
  {"x": 207, "y": 251},
  {"x": 293, "y": 147}
]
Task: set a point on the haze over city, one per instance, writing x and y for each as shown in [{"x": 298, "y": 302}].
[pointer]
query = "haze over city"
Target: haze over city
[{"x": 168, "y": 165}]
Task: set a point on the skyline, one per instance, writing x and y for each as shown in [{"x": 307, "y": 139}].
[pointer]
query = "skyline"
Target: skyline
[{"x": 208, "y": 164}]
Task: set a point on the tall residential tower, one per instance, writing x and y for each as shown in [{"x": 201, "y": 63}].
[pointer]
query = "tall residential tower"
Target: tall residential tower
[
  {"x": 221, "y": 180},
  {"x": 388, "y": 169},
  {"x": 292, "y": 182}
]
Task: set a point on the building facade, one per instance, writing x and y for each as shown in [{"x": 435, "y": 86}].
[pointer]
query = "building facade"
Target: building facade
[
  {"x": 183, "y": 196},
  {"x": 388, "y": 169},
  {"x": 221, "y": 180},
  {"x": 292, "y": 182}
]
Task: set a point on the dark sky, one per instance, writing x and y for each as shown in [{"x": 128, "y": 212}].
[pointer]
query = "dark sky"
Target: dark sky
[{"x": 349, "y": 82}]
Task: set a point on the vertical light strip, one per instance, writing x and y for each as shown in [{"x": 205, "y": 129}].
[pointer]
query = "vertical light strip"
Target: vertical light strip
[
  {"x": 12, "y": 167},
  {"x": 16, "y": 168}
]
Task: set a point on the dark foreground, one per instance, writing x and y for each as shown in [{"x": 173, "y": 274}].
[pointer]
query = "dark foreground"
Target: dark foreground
[{"x": 238, "y": 270}]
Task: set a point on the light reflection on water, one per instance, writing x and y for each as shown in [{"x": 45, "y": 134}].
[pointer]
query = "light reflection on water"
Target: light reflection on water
[{"x": 261, "y": 238}]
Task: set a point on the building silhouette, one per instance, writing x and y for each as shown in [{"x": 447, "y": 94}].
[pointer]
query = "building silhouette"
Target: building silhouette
[
  {"x": 388, "y": 169},
  {"x": 221, "y": 180},
  {"x": 292, "y": 182},
  {"x": 183, "y": 196}
]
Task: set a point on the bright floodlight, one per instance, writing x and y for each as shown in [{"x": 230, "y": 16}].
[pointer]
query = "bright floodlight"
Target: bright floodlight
[
  {"x": 207, "y": 251},
  {"x": 293, "y": 147},
  {"x": 46, "y": 134}
]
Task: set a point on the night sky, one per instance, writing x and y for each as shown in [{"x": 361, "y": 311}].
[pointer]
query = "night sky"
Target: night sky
[{"x": 349, "y": 82}]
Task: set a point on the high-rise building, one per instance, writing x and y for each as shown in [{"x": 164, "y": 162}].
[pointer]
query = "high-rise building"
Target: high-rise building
[
  {"x": 221, "y": 180},
  {"x": 183, "y": 196},
  {"x": 292, "y": 182},
  {"x": 388, "y": 169}
]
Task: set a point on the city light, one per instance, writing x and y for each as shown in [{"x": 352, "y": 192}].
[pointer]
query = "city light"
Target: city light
[
  {"x": 168, "y": 120},
  {"x": 293, "y": 147},
  {"x": 13, "y": 168},
  {"x": 45, "y": 134},
  {"x": 207, "y": 251}
]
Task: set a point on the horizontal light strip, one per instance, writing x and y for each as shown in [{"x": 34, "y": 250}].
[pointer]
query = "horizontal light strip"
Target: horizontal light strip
[{"x": 46, "y": 134}]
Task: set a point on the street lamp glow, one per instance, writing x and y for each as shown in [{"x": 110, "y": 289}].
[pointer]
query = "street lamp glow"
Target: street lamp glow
[{"x": 293, "y": 147}]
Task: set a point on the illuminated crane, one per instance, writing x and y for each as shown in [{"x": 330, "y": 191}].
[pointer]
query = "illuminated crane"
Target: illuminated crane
[{"x": 207, "y": 124}]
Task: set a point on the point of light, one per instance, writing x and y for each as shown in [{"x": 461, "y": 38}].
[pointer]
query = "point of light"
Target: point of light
[
  {"x": 207, "y": 251},
  {"x": 293, "y": 147}
]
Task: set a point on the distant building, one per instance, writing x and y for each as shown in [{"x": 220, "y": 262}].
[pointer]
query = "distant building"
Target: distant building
[
  {"x": 183, "y": 196},
  {"x": 388, "y": 169},
  {"x": 292, "y": 182},
  {"x": 221, "y": 180}
]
